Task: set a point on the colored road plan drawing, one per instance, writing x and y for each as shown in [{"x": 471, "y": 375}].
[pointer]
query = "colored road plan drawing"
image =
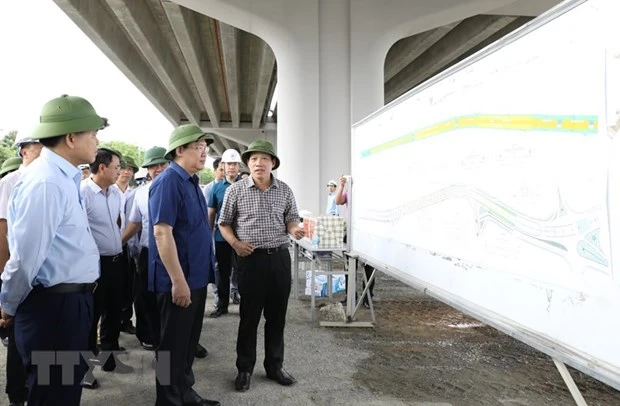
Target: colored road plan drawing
[
  {"x": 493, "y": 167},
  {"x": 495, "y": 187}
]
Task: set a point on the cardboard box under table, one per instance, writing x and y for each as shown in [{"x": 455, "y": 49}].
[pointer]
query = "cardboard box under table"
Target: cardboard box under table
[{"x": 321, "y": 263}]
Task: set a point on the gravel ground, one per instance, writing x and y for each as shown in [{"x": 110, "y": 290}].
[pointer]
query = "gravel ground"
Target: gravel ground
[{"x": 421, "y": 352}]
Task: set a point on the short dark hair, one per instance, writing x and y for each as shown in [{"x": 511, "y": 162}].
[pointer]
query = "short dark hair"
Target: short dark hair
[
  {"x": 104, "y": 156},
  {"x": 216, "y": 163},
  {"x": 51, "y": 142},
  {"x": 54, "y": 141}
]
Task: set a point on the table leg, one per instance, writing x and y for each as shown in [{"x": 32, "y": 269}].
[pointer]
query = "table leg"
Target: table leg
[
  {"x": 296, "y": 270},
  {"x": 351, "y": 288}
]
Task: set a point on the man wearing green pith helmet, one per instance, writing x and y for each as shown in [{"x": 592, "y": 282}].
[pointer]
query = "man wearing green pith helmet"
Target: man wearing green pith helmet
[
  {"x": 257, "y": 216},
  {"x": 47, "y": 292},
  {"x": 181, "y": 261}
]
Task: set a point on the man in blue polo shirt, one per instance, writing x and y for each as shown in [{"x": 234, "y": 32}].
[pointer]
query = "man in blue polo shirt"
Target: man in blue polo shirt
[
  {"x": 181, "y": 260},
  {"x": 226, "y": 257}
]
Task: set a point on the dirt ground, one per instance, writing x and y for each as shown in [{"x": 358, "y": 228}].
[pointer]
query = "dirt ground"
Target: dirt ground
[
  {"x": 426, "y": 351},
  {"x": 421, "y": 352}
]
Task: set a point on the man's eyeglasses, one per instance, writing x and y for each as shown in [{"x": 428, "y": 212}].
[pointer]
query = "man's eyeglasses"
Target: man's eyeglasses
[{"x": 200, "y": 148}]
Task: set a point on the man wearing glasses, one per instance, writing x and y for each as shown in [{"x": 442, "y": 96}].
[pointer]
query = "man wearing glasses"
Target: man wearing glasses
[{"x": 181, "y": 261}]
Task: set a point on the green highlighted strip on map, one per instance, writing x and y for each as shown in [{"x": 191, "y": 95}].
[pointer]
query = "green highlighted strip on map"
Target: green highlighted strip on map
[{"x": 566, "y": 124}]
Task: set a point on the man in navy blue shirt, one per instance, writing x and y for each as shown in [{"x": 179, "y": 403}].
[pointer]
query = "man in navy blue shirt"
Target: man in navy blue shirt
[
  {"x": 181, "y": 261},
  {"x": 226, "y": 257}
]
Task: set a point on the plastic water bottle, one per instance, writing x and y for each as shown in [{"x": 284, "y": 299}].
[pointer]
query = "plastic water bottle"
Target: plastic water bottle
[
  {"x": 315, "y": 240},
  {"x": 315, "y": 236}
]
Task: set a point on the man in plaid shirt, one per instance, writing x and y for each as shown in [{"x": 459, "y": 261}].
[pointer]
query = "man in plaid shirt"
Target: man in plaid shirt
[{"x": 257, "y": 215}]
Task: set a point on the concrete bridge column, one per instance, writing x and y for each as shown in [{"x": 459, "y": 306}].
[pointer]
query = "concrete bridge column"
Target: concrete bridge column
[{"x": 330, "y": 56}]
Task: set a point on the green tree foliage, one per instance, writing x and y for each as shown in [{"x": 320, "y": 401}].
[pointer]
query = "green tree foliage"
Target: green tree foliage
[
  {"x": 206, "y": 176},
  {"x": 125, "y": 148},
  {"x": 7, "y": 148}
]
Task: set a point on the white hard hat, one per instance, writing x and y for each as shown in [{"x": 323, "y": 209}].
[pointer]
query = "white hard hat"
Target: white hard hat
[
  {"x": 21, "y": 140},
  {"x": 231, "y": 155},
  {"x": 24, "y": 139}
]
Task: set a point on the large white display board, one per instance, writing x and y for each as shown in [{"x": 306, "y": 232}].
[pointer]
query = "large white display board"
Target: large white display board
[{"x": 495, "y": 186}]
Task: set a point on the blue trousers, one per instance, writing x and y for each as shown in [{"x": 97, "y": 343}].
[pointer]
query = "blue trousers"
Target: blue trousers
[{"x": 46, "y": 324}]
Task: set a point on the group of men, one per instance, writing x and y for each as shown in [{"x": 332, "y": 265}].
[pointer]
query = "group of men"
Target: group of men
[{"x": 66, "y": 246}]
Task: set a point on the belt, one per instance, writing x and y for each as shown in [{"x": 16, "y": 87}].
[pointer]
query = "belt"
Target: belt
[
  {"x": 67, "y": 288},
  {"x": 269, "y": 251},
  {"x": 112, "y": 258}
]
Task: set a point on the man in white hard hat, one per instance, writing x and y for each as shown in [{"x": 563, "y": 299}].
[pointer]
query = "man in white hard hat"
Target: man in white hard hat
[
  {"x": 85, "y": 168},
  {"x": 226, "y": 257}
]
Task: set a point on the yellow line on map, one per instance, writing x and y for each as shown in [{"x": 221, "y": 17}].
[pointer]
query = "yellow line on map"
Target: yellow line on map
[{"x": 570, "y": 124}]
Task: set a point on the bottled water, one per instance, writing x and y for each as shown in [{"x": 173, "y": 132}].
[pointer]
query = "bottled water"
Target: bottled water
[
  {"x": 315, "y": 240},
  {"x": 315, "y": 236}
]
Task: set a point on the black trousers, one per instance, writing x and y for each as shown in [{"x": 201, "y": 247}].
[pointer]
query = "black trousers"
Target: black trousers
[
  {"x": 226, "y": 257},
  {"x": 264, "y": 286},
  {"x": 16, "y": 376},
  {"x": 108, "y": 302},
  {"x": 129, "y": 288},
  {"x": 147, "y": 312},
  {"x": 54, "y": 322},
  {"x": 180, "y": 332}
]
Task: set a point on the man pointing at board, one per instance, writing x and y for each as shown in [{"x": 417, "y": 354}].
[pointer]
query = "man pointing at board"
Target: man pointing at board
[{"x": 343, "y": 199}]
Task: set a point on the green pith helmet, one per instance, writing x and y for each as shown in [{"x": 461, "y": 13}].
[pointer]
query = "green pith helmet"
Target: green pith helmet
[
  {"x": 113, "y": 151},
  {"x": 67, "y": 114},
  {"x": 154, "y": 156},
  {"x": 184, "y": 134},
  {"x": 128, "y": 161},
  {"x": 9, "y": 166},
  {"x": 260, "y": 146}
]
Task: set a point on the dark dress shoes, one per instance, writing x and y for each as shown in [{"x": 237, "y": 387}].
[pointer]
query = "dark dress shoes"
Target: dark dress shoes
[
  {"x": 128, "y": 327},
  {"x": 202, "y": 402},
  {"x": 113, "y": 365},
  {"x": 282, "y": 377},
  {"x": 201, "y": 352},
  {"x": 217, "y": 313},
  {"x": 366, "y": 303},
  {"x": 242, "y": 383}
]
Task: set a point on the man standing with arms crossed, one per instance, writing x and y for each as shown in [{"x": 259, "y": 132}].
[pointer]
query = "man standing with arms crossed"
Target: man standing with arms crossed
[
  {"x": 226, "y": 257},
  {"x": 257, "y": 215},
  {"x": 181, "y": 261},
  {"x": 49, "y": 279},
  {"x": 29, "y": 149}
]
